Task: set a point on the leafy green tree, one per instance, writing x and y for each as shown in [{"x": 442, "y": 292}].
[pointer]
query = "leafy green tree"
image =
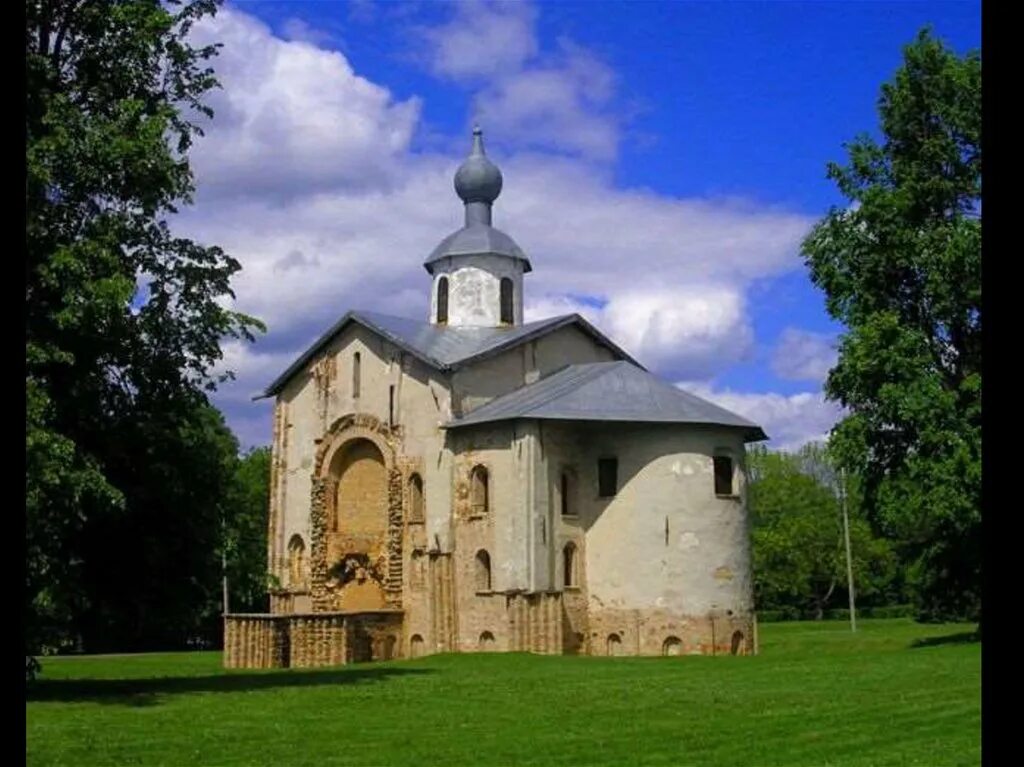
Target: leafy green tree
[
  {"x": 797, "y": 536},
  {"x": 124, "y": 320},
  {"x": 245, "y": 541},
  {"x": 901, "y": 268}
]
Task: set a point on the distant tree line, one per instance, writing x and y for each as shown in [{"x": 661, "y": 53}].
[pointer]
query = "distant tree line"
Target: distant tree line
[{"x": 799, "y": 555}]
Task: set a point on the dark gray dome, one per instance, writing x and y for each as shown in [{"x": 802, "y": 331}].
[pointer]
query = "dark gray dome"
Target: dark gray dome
[{"x": 478, "y": 179}]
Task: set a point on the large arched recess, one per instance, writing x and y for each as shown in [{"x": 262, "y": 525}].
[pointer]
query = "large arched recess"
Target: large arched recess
[{"x": 356, "y": 518}]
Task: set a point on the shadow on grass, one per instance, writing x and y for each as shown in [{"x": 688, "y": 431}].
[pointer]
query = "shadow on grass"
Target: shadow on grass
[
  {"x": 962, "y": 637},
  {"x": 149, "y": 692}
]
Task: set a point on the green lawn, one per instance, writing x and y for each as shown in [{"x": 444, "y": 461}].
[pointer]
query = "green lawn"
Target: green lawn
[{"x": 895, "y": 693}]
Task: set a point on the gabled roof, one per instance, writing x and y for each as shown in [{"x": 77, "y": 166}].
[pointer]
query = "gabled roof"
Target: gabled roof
[
  {"x": 606, "y": 391},
  {"x": 443, "y": 348}
]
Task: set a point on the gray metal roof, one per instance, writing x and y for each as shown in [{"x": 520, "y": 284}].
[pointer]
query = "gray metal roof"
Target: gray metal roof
[
  {"x": 606, "y": 391},
  {"x": 443, "y": 348},
  {"x": 477, "y": 239}
]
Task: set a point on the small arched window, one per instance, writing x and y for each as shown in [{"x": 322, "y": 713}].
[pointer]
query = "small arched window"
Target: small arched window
[
  {"x": 356, "y": 373},
  {"x": 296, "y": 560},
  {"x": 506, "y": 301},
  {"x": 442, "y": 300},
  {"x": 569, "y": 575},
  {"x": 482, "y": 576},
  {"x": 415, "y": 646},
  {"x": 614, "y": 644},
  {"x": 479, "y": 490},
  {"x": 415, "y": 498}
]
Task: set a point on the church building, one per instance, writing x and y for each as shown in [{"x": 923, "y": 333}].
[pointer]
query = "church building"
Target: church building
[{"x": 469, "y": 482}]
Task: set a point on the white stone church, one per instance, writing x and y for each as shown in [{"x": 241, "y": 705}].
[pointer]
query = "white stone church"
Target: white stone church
[{"x": 470, "y": 482}]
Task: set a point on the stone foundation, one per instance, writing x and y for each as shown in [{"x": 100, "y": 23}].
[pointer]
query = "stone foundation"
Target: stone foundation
[{"x": 311, "y": 640}]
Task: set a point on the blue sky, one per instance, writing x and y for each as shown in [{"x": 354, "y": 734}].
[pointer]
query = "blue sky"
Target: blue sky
[{"x": 708, "y": 125}]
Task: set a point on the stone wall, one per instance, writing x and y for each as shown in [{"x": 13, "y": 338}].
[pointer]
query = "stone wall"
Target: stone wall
[{"x": 311, "y": 640}]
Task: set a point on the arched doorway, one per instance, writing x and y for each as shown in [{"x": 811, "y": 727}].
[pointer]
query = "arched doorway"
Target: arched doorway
[{"x": 672, "y": 646}]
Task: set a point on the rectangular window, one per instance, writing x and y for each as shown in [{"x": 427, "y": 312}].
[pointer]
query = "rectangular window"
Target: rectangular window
[
  {"x": 607, "y": 477},
  {"x": 391, "y": 405},
  {"x": 723, "y": 475},
  {"x": 564, "y": 490}
]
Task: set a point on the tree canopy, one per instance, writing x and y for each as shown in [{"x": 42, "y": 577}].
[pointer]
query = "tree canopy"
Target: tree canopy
[
  {"x": 799, "y": 560},
  {"x": 901, "y": 269},
  {"x": 127, "y": 464}
]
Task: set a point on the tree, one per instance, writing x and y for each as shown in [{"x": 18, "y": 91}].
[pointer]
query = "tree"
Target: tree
[
  {"x": 797, "y": 536},
  {"x": 246, "y": 532},
  {"x": 901, "y": 268},
  {"x": 124, "y": 320}
]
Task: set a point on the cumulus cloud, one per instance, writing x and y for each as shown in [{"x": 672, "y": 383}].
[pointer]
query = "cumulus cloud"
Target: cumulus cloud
[
  {"x": 789, "y": 421},
  {"x": 482, "y": 40},
  {"x": 306, "y": 175},
  {"x": 804, "y": 356},
  {"x": 292, "y": 116},
  {"x": 554, "y": 100}
]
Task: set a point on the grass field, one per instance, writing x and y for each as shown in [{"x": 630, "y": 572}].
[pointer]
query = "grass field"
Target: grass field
[{"x": 896, "y": 693}]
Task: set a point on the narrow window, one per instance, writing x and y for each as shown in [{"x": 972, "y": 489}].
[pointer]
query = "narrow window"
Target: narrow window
[
  {"x": 506, "y": 300},
  {"x": 296, "y": 560},
  {"x": 483, "y": 571},
  {"x": 736, "y": 646},
  {"x": 569, "y": 564},
  {"x": 442, "y": 300},
  {"x": 479, "y": 490},
  {"x": 391, "y": 405},
  {"x": 356, "y": 373},
  {"x": 723, "y": 475},
  {"x": 607, "y": 477},
  {"x": 564, "y": 489},
  {"x": 415, "y": 498}
]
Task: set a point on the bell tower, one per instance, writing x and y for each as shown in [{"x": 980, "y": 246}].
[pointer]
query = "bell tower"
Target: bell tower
[{"x": 478, "y": 270}]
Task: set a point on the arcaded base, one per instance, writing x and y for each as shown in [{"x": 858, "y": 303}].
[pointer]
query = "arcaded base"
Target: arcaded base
[{"x": 530, "y": 623}]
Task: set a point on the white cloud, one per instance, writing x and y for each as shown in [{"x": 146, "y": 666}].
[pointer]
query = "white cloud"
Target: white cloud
[
  {"x": 790, "y": 421},
  {"x": 563, "y": 105},
  {"x": 292, "y": 117},
  {"x": 482, "y": 40},
  {"x": 804, "y": 356},
  {"x": 307, "y": 177},
  {"x": 559, "y": 100}
]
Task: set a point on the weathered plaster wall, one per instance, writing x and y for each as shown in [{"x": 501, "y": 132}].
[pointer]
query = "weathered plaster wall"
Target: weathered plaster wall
[
  {"x": 486, "y": 379},
  {"x": 418, "y": 403},
  {"x": 474, "y": 289},
  {"x": 665, "y": 557}
]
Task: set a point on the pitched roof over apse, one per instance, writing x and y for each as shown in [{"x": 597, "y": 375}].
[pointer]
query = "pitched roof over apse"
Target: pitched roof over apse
[
  {"x": 444, "y": 348},
  {"x": 607, "y": 391}
]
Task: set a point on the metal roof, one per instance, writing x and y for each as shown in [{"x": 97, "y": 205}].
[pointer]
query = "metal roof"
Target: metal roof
[
  {"x": 443, "y": 348},
  {"x": 474, "y": 240},
  {"x": 607, "y": 391}
]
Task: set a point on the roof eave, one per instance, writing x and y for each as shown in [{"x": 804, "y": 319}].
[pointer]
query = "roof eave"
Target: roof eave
[
  {"x": 350, "y": 316},
  {"x": 429, "y": 263}
]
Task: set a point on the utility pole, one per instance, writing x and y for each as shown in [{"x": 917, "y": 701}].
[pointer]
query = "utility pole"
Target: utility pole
[
  {"x": 224, "y": 580},
  {"x": 849, "y": 560}
]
